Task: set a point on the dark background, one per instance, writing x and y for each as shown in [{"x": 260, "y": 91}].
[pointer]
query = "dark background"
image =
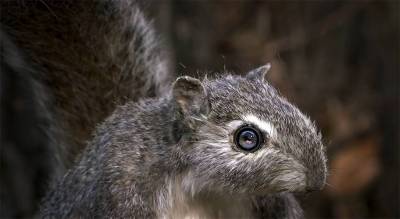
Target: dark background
[{"x": 338, "y": 61}]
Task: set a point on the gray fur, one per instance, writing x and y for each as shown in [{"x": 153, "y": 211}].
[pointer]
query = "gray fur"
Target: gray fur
[
  {"x": 149, "y": 156},
  {"x": 170, "y": 156},
  {"x": 91, "y": 55}
]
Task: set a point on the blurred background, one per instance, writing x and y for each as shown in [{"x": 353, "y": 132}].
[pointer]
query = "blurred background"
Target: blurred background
[{"x": 338, "y": 61}]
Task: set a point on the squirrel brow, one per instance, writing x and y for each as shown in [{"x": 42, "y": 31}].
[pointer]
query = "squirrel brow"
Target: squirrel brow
[{"x": 261, "y": 124}]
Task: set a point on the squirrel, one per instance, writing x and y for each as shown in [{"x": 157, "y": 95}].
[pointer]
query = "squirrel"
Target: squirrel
[
  {"x": 227, "y": 147},
  {"x": 207, "y": 149}
]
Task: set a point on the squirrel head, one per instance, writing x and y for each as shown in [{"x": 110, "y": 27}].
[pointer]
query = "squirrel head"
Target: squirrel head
[{"x": 245, "y": 138}]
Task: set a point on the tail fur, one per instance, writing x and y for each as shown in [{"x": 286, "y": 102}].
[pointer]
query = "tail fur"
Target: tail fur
[{"x": 90, "y": 56}]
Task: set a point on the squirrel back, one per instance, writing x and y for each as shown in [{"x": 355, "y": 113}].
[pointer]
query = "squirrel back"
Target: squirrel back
[{"x": 89, "y": 56}]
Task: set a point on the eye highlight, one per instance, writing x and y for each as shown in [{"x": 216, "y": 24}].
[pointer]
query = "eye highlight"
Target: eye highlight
[{"x": 248, "y": 138}]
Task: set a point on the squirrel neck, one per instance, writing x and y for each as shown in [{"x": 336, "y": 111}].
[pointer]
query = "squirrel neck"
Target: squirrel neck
[{"x": 174, "y": 200}]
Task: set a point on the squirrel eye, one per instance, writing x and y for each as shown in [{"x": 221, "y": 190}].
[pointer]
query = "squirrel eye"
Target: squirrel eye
[{"x": 248, "y": 138}]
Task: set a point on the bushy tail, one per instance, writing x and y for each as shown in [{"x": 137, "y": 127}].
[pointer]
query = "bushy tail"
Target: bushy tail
[
  {"x": 90, "y": 55},
  {"x": 80, "y": 58}
]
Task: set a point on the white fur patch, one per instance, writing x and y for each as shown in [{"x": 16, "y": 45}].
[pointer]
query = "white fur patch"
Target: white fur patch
[
  {"x": 261, "y": 124},
  {"x": 174, "y": 201}
]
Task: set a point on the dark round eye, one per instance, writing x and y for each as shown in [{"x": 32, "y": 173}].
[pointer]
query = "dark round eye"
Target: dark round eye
[{"x": 248, "y": 138}]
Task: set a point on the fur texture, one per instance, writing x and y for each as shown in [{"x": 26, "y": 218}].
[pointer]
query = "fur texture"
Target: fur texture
[
  {"x": 91, "y": 55},
  {"x": 165, "y": 157},
  {"x": 172, "y": 157}
]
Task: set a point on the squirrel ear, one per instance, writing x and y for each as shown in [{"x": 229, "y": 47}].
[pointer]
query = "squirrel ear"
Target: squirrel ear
[
  {"x": 190, "y": 96},
  {"x": 259, "y": 73}
]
